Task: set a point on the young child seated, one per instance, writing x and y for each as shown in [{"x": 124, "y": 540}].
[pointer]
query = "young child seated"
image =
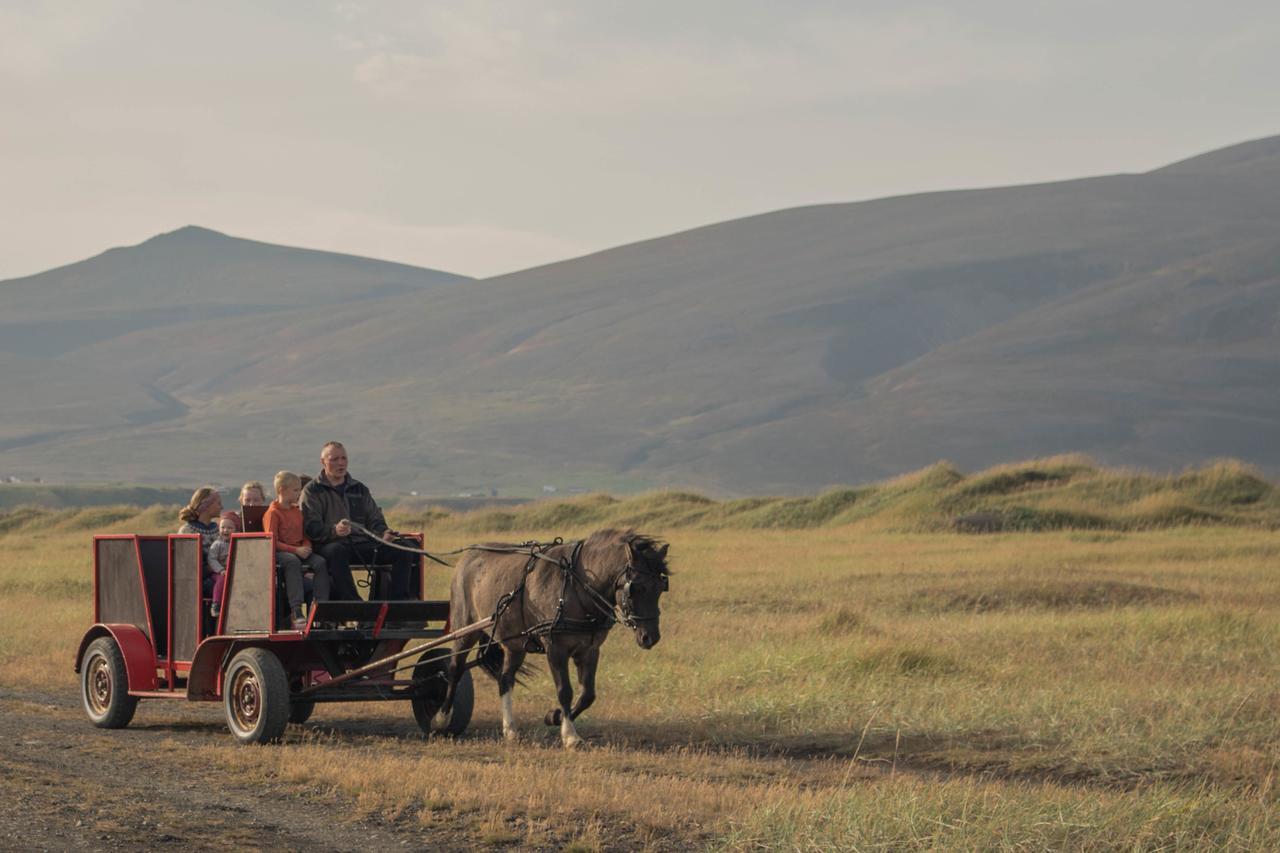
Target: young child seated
[
  {"x": 219, "y": 553},
  {"x": 293, "y": 549}
]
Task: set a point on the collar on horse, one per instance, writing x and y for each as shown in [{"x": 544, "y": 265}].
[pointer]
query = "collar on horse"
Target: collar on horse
[{"x": 601, "y": 620}]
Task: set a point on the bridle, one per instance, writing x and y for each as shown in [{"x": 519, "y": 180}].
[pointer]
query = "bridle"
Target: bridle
[{"x": 622, "y": 595}]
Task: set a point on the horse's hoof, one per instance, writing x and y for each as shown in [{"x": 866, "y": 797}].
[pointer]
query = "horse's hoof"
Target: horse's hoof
[
  {"x": 552, "y": 718},
  {"x": 511, "y": 735},
  {"x": 574, "y": 742}
]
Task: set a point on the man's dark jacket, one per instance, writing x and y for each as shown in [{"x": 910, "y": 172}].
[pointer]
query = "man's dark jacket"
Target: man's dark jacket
[{"x": 323, "y": 506}]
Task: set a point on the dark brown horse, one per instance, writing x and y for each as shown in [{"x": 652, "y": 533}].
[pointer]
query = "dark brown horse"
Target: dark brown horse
[{"x": 561, "y": 598}]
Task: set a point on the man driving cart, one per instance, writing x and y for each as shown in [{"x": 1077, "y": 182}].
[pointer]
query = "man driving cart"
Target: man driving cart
[{"x": 346, "y": 527}]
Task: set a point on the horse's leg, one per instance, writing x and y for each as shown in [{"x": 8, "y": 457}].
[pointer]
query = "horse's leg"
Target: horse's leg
[
  {"x": 558, "y": 662},
  {"x": 513, "y": 657},
  {"x": 586, "y": 661},
  {"x": 456, "y": 666}
]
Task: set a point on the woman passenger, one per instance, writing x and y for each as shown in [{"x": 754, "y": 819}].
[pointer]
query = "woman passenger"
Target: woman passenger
[
  {"x": 253, "y": 493},
  {"x": 200, "y": 515}
]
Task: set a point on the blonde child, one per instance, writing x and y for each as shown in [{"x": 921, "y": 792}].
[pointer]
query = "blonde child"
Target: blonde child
[{"x": 283, "y": 520}]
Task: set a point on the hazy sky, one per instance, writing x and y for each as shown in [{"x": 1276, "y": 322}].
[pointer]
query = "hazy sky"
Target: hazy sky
[{"x": 482, "y": 137}]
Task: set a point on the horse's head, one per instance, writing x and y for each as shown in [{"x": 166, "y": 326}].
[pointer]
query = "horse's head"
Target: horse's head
[{"x": 640, "y": 585}]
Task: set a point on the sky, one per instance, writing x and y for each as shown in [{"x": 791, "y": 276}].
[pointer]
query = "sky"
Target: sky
[{"x": 484, "y": 137}]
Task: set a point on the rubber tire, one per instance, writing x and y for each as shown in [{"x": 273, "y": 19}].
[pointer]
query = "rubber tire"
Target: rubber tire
[
  {"x": 425, "y": 707},
  {"x": 270, "y": 717},
  {"x": 119, "y": 707},
  {"x": 300, "y": 710}
]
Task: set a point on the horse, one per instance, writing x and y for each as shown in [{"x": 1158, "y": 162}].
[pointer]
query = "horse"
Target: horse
[{"x": 558, "y": 598}]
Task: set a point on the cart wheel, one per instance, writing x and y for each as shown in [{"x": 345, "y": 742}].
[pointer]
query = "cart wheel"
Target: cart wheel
[
  {"x": 255, "y": 695},
  {"x": 104, "y": 685},
  {"x": 434, "y": 682},
  {"x": 300, "y": 710}
]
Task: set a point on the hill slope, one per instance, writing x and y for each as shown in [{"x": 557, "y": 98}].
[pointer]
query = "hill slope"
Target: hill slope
[
  {"x": 1132, "y": 317},
  {"x": 165, "y": 296}
]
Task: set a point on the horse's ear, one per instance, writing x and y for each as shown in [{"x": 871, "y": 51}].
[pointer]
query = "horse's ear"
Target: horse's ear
[{"x": 662, "y": 552}]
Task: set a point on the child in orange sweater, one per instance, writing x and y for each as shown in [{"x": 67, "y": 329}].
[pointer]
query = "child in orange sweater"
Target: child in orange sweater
[{"x": 283, "y": 520}]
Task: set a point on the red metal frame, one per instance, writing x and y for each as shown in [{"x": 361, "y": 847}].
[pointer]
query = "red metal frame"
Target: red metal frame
[
  {"x": 97, "y": 603},
  {"x": 231, "y": 578},
  {"x": 382, "y": 617},
  {"x": 204, "y": 671},
  {"x": 198, "y": 604},
  {"x": 142, "y": 583},
  {"x": 146, "y": 598},
  {"x": 169, "y": 651}
]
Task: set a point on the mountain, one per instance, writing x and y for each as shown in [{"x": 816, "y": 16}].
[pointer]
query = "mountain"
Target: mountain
[
  {"x": 191, "y": 274},
  {"x": 1132, "y": 317},
  {"x": 179, "y": 290}
]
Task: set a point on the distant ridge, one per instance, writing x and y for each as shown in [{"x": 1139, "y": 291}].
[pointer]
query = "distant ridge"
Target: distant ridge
[
  {"x": 1258, "y": 151},
  {"x": 1132, "y": 317},
  {"x": 195, "y": 235}
]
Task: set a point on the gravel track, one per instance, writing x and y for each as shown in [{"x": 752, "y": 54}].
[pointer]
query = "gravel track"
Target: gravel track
[{"x": 70, "y": 786}]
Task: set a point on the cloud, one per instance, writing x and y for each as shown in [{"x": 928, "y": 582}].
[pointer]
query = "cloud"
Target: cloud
[
  {"x": 477, "y": 55},
  {"x": 36, "y": 37}
]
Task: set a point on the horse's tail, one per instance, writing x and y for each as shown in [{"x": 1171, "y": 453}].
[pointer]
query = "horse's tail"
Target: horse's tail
[{"x": 490, "y": 660}]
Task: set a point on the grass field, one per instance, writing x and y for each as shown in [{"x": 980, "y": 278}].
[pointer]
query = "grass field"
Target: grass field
[{"x": 860, "y": 683}]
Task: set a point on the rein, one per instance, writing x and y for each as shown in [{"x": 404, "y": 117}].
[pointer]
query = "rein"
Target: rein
[{"x": 532, "y": 547}]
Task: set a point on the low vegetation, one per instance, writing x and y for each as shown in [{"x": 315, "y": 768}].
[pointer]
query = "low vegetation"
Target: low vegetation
[
  {"x": 843, "y": 671},
  {"x": 68, "y": 496},
  {"x": 1066, "y": 492}
]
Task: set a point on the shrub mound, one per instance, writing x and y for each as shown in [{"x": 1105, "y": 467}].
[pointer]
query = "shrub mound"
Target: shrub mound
[{"x": 1057, "y": 493}]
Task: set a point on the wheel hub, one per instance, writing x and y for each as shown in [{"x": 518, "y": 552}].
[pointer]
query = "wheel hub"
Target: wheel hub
[
  {"x": 246, "y": 699},
  {"x": 99, "y": 683}
]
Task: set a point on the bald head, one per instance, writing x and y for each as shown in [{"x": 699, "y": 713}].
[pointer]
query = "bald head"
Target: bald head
[{"x": 333, "y": 458}]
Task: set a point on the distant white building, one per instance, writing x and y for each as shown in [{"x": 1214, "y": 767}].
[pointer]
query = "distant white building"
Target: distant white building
[{"x": 548, "y": 489}]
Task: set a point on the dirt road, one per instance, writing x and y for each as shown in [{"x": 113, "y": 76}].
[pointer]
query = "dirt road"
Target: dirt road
[{"x": 70, "y": 786}]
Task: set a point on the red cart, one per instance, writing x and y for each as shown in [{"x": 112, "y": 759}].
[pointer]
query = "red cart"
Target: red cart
[{"x": 152, "y": 638}]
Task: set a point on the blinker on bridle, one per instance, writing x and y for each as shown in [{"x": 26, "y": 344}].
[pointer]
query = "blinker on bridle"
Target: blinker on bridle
[{"x": 629, "y": 616}]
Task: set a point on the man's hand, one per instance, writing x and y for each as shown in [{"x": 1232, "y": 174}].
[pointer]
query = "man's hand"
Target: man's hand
[
  {"x": 389, "y": 535},
  {"x": 342, "y": 528},
  {"x": 304, "y": 551}
]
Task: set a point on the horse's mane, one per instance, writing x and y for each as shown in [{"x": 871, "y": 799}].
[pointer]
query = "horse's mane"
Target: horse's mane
[{"x": 647, "y": 548}]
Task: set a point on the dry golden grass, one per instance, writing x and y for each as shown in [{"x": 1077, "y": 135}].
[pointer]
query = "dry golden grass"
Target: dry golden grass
[{"x": 831, "y": 687}]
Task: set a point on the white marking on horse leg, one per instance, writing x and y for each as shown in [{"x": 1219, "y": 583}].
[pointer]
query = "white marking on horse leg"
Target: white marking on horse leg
[
  {"x": 569, "y": 732},
  {"x": 508, "y": 718}
]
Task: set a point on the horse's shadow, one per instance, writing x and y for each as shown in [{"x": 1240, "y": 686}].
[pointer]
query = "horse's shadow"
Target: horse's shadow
[
  {"x": 991, "y": 754},
  {"x": 984, "y": 754}
]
